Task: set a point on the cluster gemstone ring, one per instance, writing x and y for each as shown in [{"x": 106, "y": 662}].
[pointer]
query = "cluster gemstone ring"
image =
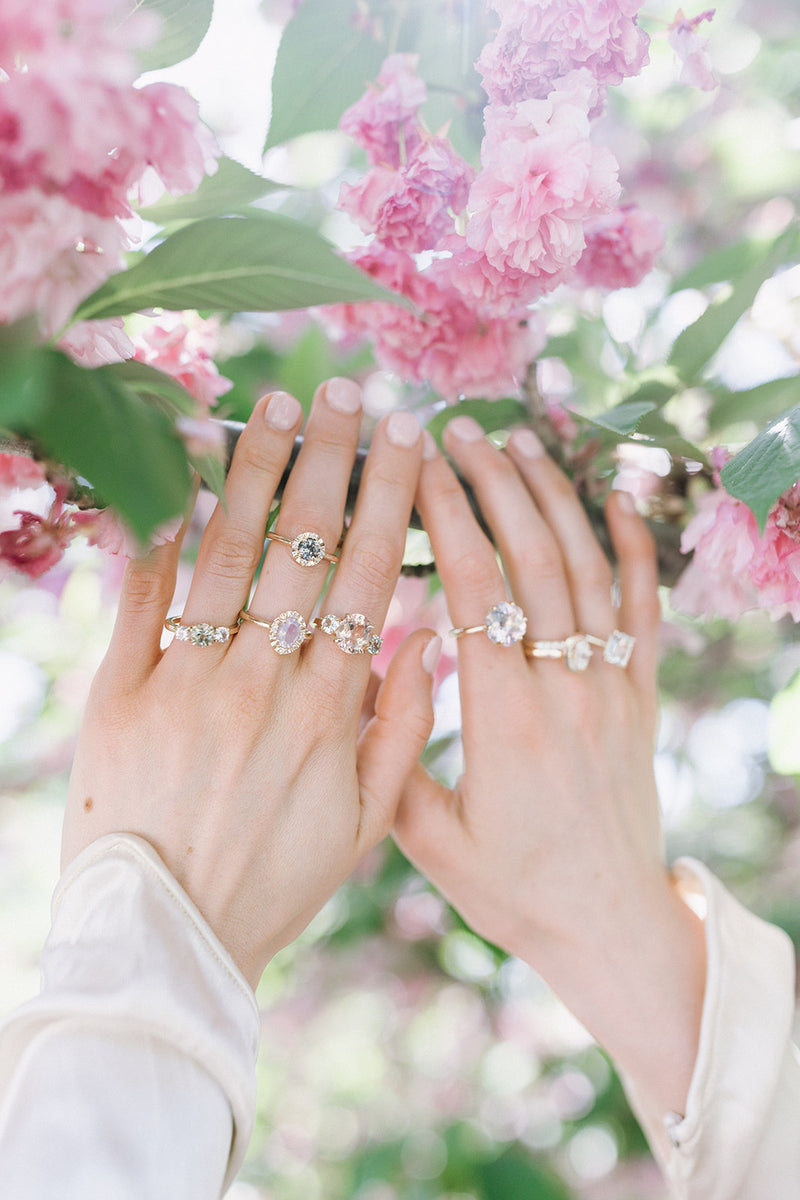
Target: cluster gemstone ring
[
  {"x": 307, "y": 549},
  {"x": 352, "y": 633},
  {"x": 287, "y": 632},
  {"x": 202, "y": 633},
  {"x": 504, "y": 624},
  {"x": 577, "y": 651}
]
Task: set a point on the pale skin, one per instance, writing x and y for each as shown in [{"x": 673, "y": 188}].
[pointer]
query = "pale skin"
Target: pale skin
[
  {"x": 550, "y": 843},
  {"x": 261, "y": 782}
]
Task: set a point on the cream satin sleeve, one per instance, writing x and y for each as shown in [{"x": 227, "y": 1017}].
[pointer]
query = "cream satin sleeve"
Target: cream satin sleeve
[
  {"x": 132, "y": 1075},
  {"x": 740, "y": 1136}
]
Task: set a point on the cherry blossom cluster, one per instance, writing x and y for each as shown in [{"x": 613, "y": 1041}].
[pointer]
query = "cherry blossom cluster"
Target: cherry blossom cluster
[
  {"x": 735, "y": 568},
  {"x": 77, "y": 142},
  {"x": 474, "y": 251}
]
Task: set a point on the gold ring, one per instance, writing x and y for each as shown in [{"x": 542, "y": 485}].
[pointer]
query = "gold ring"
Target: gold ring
[
  {"x": 201, "y": 634},
  {"x": 352, "y": 633},
  {"x": 287, "y": 631},
  {"x": 577, "y": 650},
  {"x": 308, "y": 548},
  {"x": 505, "y": 625}
]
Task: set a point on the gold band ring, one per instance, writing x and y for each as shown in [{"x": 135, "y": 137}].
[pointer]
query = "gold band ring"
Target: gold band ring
[
  {"x": 201, "y": 634},
  {"x": 308, "y": 548},
  {"x": 352, "y": 633},
  {"x": 505, "y": 624},
  {"x": 577, "y": 650},
  {"x": 287, "y": 631}
]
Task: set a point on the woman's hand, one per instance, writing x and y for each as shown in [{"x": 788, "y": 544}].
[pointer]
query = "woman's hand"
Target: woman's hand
[
  {"x": 550, "y": 844},
  {"x": 244, "y": 768}
]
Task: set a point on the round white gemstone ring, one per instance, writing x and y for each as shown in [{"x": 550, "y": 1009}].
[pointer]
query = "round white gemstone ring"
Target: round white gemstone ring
[
  {"x": 505, "y": 625},
  {"x": 202, "y": 633},
  {"x": 308, "y": 548}
]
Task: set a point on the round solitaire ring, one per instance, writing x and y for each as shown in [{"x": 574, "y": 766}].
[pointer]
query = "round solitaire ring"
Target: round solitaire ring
[
  {"x": 352, "y": 633},
  {"x": 308, "y": 548},
  {"x": 201, "y": 634},
  {"x": 287, "y": 631},
  {"x": 505, "y": 625}
]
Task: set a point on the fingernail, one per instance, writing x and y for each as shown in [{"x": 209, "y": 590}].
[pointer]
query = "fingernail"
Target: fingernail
[
  {"x": 429, "y": 447},
  {"x": 528, "y": 443},
  {"x": 625, "y": 502},
  {"x": 343, "y": 395},
  {"x": 283, "y": 411},
  {"x": 465, "y": 429},
  {"x": 431, "y": 655},
  {"x": 403, "y": 429}
]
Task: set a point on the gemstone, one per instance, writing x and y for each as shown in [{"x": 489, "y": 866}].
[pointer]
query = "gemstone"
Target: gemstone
[
  {"x": 374, "y": 644},
  {"x": 505, "y": 623},
  {"x": 577, "y": 652},
  {"x": 329, "y": 623},
  {"x": 222, "y": 634},
  {"x": 203, "y": 634},
  {"x": 183, "y": 633},
  {"x": 308, "y": 549},
  {"x": 287, "y": 632},
  {"x": 619, "y": 648},
  {"x": 354, "y": 633}
]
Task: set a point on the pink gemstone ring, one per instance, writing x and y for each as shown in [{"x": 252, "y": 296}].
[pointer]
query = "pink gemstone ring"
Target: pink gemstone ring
[
  {"x": 287, "y": 631},
  {"x": 352, "y": 633}
]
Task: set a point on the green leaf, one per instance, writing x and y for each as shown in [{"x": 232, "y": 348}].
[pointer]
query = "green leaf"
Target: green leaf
[
  {"x": 25, "y": 373},
  {"x": 723, "y": 265},
  {"x": 698, "y": 344},
  {"x": 491, "y": 415},
  {"x": 767, "y": 466},
  {"x": 323, "y": 65},
  {"x": 184, "y": 25},
  {"x": 231, "y": 190},
  {"x": 623, "y": 418},
  {"x": 514, "y": 1176},
  {"x": 756, "y": 404},
  {"x": 127, "y": 450},
  {"x": 784, "y": 721},
  {"x": 260, "y": 263}
]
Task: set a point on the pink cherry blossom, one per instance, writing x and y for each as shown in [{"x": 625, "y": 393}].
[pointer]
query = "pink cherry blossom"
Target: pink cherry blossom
[
  {"x": 621, "y": 248},
  {"x": 104, "y": 529},
  {"x": 39, "y": 542},
  {"x": 384, "y": 121},
  {"x": 182, "y": 345},
  {"x": 540, "y": 41},
  {"x": 97, "y": 343},
  {"x": 529, "y": 203},
  {"x": 490, "y": 292},
  {"x": 692, "y": 50},
  {"x": 411, "y": 208},
  {"x": 19, "y": 471}
]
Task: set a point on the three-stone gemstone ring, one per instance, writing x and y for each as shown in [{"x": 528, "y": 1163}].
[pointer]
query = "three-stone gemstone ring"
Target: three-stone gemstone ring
[
  {"x": 352, "y": 633},
  {"x": 577, "y": 650},
  {"x": 201, "y": 634}
]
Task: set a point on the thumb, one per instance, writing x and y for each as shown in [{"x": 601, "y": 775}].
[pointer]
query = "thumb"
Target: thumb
[{"x": 396, "y": 735}]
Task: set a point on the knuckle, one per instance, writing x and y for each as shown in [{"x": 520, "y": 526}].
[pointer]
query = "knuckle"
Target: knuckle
[
  {"x": 145, "y": 589},
  {"x": 474, "y": 570},
  {"x": 235, "y": 554},
  {"x": 375, "y": 562}
]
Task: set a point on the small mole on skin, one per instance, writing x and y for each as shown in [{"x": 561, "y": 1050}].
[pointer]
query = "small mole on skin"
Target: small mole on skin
[
  {"x": 189, "y": 849},
  {"x": 88, "y": 804}
]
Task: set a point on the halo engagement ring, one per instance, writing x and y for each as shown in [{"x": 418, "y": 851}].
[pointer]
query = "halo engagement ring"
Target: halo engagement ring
[
  {"x": 577, "y": 650},
  {"x": 201, "y": 634},
  {"x": 352, "y": 633},
  {"x": 287, "y": 631},
  {"x": 505, "y": 624},
  {"x": 308, "y": 548}
]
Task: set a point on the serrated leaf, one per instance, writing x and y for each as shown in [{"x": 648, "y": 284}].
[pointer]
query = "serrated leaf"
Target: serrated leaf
[
  {"x": 622, "y": 418},
  {"x": 757, "y": 404},
  {"x": 491, "y": 415},
  {"x": 767, "y": 466},
  {"x": 259, "y": 263},
  {"x": 127, "y": 450},
  {"x": 323, "y": 65},
  {"x": 696, "y": 346},
  {"x": 230, "y": 190},
  {"x": 184, "y": 25}
]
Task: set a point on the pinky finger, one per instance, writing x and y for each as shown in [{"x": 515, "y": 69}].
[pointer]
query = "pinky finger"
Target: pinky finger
[{"x": 640, "y": 609}]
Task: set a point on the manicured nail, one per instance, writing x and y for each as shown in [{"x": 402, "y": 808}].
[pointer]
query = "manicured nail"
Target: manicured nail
[
  {"x": 625, "y": 502},
  {"x": 528, "y": 443},
  {"x": 283, "y": 411},
  {"x": 431, "y": 655},
  {"x": 403, "y": 429},
  {"x": 343, "y": 395},
  {"x": 429, "y": 447},
  {"x": 465, "y": 429}
]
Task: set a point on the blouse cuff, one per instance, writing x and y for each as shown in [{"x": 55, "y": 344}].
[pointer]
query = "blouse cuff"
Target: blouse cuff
[
  {"x": 128, "y": 951},
  {"x": 745, "y": 1034}
]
